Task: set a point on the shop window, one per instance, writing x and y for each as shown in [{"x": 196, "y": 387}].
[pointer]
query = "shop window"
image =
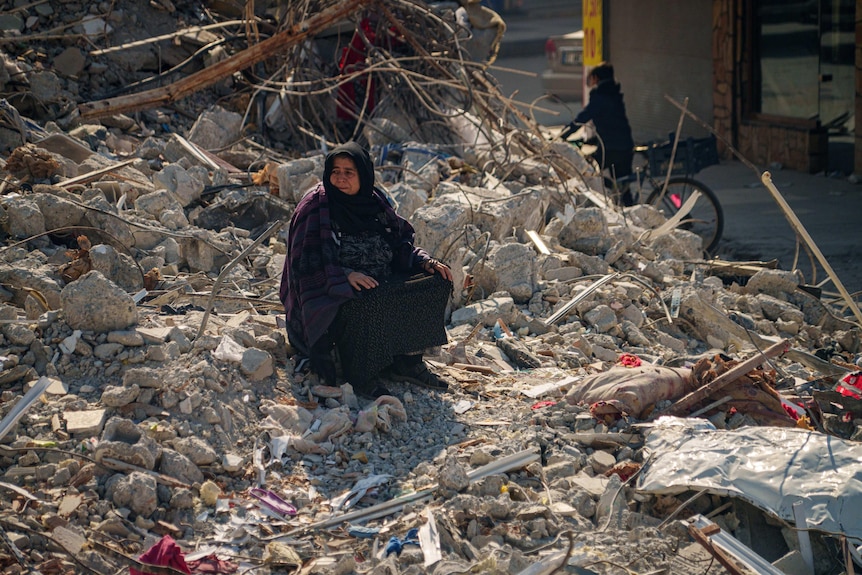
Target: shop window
[{"x": 805, "y": 59}]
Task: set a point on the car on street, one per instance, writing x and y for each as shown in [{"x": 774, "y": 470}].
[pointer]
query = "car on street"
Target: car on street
[{"x": 564, "y": 76}]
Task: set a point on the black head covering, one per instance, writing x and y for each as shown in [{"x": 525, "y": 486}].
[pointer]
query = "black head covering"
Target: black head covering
[{"x": 359, "y": 212}]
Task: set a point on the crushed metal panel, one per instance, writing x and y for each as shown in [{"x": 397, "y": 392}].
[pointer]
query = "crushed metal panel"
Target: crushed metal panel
[{"x": 770, "y": 467}]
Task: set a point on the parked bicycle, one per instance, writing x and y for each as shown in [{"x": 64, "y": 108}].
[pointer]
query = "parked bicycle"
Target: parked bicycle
[{"x": 650, "y": 172}]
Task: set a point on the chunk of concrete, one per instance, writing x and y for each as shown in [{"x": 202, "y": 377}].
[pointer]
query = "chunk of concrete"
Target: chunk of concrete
[
  {"x": 486, "y": 312},
  {"x": 216, "y": 128},
  {"x": 587, "y": 232},
  {"x": 776, "y": 283},
  {"x": 92, "y": 302},
  {"x": 257, "y": 364},
  {"x": 124, "y": 441},
  {"x": 118, "y": 267},
  {"x": 84, "y": 423}
]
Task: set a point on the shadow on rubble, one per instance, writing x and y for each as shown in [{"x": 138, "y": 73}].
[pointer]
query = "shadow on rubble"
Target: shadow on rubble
[{"x": 358, "y": 451}]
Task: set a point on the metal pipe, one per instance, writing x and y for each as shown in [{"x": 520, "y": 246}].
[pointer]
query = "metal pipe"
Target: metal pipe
[{"x": 22, "y": 406}]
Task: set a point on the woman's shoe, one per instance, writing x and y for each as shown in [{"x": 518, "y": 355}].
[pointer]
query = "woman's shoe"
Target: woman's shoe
[
  {"x": 418, "y": 373},
  {"x": 324, "y": 367}
]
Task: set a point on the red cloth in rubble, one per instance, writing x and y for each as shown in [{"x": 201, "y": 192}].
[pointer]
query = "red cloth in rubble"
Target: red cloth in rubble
[
  {"x": 212, "y": 564},
  {"x": 165, "y": 553},
  {"x": 350, "y": 97},
  {"x": 629, "y": 360}
]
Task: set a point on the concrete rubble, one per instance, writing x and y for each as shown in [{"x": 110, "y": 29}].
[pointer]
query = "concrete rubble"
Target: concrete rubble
[{"x": 139, "y": 284}]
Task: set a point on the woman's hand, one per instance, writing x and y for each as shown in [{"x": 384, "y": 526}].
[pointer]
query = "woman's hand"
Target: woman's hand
[
  {"x": 360, "y": 281},
  {"x": 433, "y": 266}
]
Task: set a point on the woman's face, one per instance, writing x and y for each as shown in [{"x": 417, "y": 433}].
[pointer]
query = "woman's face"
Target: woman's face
[{"x": 344, "y": 175}]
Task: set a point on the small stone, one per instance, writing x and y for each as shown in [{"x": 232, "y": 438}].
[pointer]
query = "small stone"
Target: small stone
[
  {"x": 71, "y": 61},
  {"x": 326, "y": 391},
  {"x": 197, "y": 450},
  {"x": 452, "y": 475},
  {"x": 61, "y": 477},
  {"x": 154, "y": 335},
  {"x": 209, "y": 493},
  {"x": 127, "y": 338},
  {"x": 137, "y": 491},
  {"x": 118, "y": 396},
  {"x": 182, "y": 498},
  {"x": 258, "y": 364},
  {"x": 480, "y": 457},
  {"x": 232, "y": 462},
  {"x": 57, "y": 387}
]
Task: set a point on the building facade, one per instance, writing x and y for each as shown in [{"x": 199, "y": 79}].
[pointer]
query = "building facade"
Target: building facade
[{"x": 777, "y": 79}]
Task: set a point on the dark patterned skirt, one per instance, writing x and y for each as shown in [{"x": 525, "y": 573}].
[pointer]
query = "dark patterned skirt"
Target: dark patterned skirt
[{"x": 402, "y": 316}]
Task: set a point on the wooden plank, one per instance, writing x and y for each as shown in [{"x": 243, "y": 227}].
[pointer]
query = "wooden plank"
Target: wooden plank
[
  {"x": 477, "y": 368},
  {"x": 95, "y": 174},
  {"x": 537, "y": 241}
]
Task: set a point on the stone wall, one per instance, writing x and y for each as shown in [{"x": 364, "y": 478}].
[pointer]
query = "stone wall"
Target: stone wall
[
  {"x": 796, "y": 148},
  {"x": 723, "y": 57}
]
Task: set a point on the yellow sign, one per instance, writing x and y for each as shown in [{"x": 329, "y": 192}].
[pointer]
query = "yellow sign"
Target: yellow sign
[{"x": 593, "y": 47}]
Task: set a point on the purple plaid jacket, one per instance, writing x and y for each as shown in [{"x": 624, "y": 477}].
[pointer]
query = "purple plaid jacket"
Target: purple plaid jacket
[{"x": 313, "y": 283}]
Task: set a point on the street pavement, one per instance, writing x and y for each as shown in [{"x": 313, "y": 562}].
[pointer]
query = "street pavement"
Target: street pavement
[{"x": 830, "y": 208}]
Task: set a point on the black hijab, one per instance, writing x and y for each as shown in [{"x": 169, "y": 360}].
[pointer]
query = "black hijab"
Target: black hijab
[{"x": 357, "y": 213}]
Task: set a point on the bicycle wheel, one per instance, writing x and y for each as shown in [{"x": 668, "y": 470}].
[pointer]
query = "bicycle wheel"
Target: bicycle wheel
[{"x": 706, "y": 218}]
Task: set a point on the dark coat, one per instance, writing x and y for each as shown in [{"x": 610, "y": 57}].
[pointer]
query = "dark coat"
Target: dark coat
[{"x": 608, "y": 112}]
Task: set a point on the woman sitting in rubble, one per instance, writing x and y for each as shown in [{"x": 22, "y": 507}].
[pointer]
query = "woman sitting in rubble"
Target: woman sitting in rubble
[{"x": 354, "y": 283}]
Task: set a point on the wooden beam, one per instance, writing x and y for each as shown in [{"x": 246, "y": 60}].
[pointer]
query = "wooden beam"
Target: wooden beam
[
  {"x": 209, "y": 76},
  {"x": 725, "y": 379}
]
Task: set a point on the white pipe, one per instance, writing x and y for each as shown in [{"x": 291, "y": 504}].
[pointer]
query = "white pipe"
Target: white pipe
[{"x": 802, "y": 533}]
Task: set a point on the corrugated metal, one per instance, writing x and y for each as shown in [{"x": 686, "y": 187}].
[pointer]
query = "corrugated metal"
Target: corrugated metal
[
  {"x": 772, "y": 468},
  {"x": 662, "y": 47}
]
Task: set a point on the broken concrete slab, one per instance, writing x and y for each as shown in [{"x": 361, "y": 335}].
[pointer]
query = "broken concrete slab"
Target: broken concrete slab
[{"x": 85, "y": 423}]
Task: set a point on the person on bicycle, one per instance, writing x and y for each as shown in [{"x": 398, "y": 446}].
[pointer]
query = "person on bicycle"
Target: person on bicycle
[{"x": 608, "y": 113}]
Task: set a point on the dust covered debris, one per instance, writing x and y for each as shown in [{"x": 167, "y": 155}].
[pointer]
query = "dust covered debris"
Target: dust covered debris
[{"x": 139, "y": 272}]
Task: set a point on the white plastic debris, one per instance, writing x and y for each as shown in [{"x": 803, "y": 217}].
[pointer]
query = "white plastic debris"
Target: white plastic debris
[{"x": 69, "y": 343}]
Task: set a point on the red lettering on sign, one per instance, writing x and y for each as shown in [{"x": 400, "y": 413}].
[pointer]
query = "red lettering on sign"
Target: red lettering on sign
[{"x": 590, "y": 43}]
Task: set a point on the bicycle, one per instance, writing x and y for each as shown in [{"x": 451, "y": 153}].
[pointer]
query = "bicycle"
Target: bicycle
[{"x": 650, "y": 173}]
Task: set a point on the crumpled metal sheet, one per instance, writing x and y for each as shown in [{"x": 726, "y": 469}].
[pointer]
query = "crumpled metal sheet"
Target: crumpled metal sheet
[{"x": 770, "y": 467}]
